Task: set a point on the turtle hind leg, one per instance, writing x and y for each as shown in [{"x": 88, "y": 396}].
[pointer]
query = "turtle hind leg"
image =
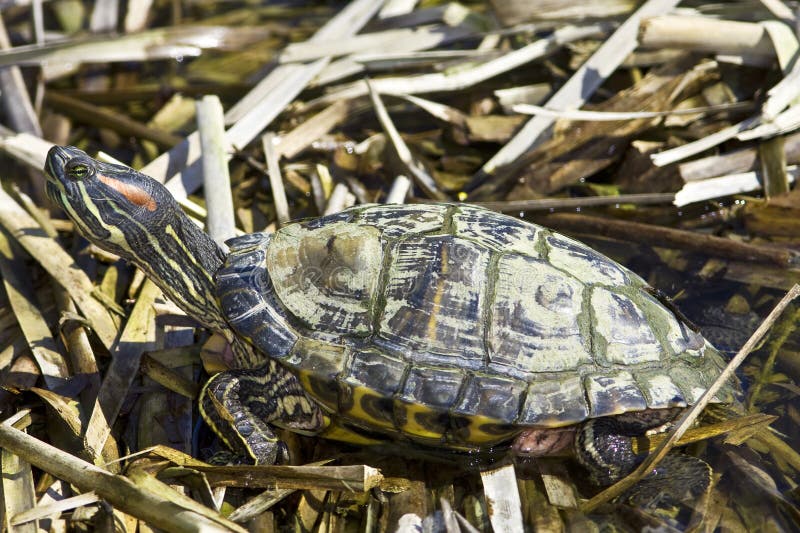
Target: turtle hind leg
[
  {"x": 241, "y": 406},
  {"x": 604, "y": 447}
]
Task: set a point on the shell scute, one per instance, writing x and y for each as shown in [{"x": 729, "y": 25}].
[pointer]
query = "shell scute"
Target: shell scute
[
  {"x": 376, "y": 370},
  {"x": 345, "y": 216},
  {"x": 245, "y": 293},
  {"x": 694, "y": 375},
  {"x": 554, "y": 402},
  {"x": 499, "y": 232},
  {"x": 492, "y": 397},
  {"x": 435, "y": 387},
  {"x": 361, "y": 406},
  {"x": 660, "y": 390},
  {"x": 396, "y": 221},
  {"x": 622, "y": 329},
  {"x": 689, "y": 380},
  {"x": 241, "y": 243},
  {"x": 371, "y": 381},
  {"x": 677, "y": 336},
  {"x": 318, "y": 365},
  {"x": 580, "y": 261},
  {"x": 613, "y": 393},
  {"x": 422, "y": 422},
  {"x": 535, "y": 319},
  {"x": 434, "y": 301},
  {"x": 327, "y": 277}
]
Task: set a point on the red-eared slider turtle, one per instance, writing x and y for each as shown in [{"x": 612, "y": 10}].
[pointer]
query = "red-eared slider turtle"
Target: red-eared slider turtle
[{"x": 445, "y": 325}]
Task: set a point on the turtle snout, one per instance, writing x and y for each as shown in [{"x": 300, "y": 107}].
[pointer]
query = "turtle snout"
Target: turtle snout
[{"x": 57, "y": 157}]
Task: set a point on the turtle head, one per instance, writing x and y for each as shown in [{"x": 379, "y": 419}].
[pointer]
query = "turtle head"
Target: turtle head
[
  {"x": 108, "y": 203},
  {"x": 136, "y": 217}
]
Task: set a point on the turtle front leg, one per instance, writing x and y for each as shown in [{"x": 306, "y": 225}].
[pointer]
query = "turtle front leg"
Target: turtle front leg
[
  {"x": 604, "y": 447},
  {"x": 241, "y": 406}
]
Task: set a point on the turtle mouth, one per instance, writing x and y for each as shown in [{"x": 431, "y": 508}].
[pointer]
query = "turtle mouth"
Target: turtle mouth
[{"x": 55, "y": 193}]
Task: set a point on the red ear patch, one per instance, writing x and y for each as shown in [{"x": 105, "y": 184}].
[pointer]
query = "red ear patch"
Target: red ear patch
[{"x": 133, "y": 193}]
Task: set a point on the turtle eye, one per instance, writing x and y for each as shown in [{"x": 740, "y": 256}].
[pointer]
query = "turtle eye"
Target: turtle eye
[{"x": 77, "y": 170}]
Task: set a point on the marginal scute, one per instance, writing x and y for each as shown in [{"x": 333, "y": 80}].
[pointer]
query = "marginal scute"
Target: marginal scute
[
  {"x": 623, "y": 329},
  {"x": 327, "y": 277},
  {"x": 345, "y": 216},
  {"x": 584, "y": 263},
  {"x": 242, "y": 243},
  {"x": 694, "y": 376},
  {"x": 246, "y": 295},
  {"x": 434, "y": 301},
  {"x": 660, "y": 391},
  {"x": 345, "y": 432},
  {"x": 268, "y": 328},
  {"x": 678, "y": 337},
  {"x": 695, "y": 343},
  {"x": 491, "y": 397},
  {"x": 554, "y": 402},
  {"x": 501, "y": 233},
  {"x": 421, "y": 422},
  {"x": 613, "y": 393},
  {"x": 468, "y": 431},
  {"x": 372, "y": 378},
  {"x": 246, "y": 258},
  {"x": 689, "y": 380},
  {"x": 714, "y": 366},
  {"x": 318, "y": 365},
  {"x": 534, "y": 320},
  {"x": 376, "y": 370},
  {"x": 436, "y": 387}
]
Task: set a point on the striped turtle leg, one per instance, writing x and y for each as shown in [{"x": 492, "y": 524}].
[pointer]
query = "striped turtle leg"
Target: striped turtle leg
[
  {"x": 241, "y": 406},
  {"x": 604, "y": 447}
]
